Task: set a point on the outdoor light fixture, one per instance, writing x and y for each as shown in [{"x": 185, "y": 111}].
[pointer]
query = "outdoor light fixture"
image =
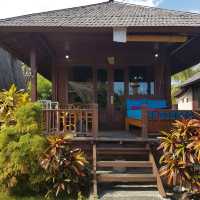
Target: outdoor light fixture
[
  {"x": 156, "y": 50},
  {"x": 111, "y": 60},
  {"x": 156, "y": 55},
  {"x": 67, "y": 57}
]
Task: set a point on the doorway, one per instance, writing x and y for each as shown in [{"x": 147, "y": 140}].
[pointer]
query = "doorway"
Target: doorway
[{"x": 111, "y": 98}]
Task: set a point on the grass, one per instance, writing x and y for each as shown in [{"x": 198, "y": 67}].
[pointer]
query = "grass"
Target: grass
[{"x": 4, "y": 196}]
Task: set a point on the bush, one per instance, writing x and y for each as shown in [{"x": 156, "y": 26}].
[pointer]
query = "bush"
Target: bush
[
  {"x": 67, "y": 170},
  {"x": 181, "y": 155},
  {"x": 10, "y": 101},
  {"x": 20, "y": 148},
  {"x": 44, "y": 88}
]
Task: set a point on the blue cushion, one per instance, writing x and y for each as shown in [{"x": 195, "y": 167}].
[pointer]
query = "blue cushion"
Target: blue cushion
[
  {"x": 134, "y": 114},
  {"x": 156, "y": 103},
  {"x": 138, "y": 103}
]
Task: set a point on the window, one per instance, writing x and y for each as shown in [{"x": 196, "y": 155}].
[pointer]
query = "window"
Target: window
[
  {"x": 80, "y": 85},
  {"x": 141, "y": 81}
]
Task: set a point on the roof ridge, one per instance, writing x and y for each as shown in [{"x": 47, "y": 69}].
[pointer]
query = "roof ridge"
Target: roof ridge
[
  {"x": 156, "y": 8},
  {"x": 45, "y": 12}
]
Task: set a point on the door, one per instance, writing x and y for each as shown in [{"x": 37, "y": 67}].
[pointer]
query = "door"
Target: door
[
  {"x": 117, "y": 99},
  {"x": 110, "y": 97}
]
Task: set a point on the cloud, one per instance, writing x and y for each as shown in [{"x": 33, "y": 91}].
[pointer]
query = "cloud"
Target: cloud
[
  {"x": 153, "y": 3},
  {"x": 195, "y": 11}
]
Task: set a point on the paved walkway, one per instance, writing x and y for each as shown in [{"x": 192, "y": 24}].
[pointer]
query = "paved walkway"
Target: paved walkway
[{"x": 130, "y": 192}]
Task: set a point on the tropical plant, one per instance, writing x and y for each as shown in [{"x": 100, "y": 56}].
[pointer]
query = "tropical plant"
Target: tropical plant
[
  {"x": 67, "y": 169},
  {"x": 181, "y": 155},
  {"x": 44, "y": 88},
  {"x": 21, "y": 145},
  {"x": 10, "y": 100}
]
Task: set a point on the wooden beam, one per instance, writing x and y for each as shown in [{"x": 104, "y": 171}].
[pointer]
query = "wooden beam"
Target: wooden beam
[
  {"x": 33, "y": 74},
  {"x": 157, "y": 38},
  {"x": 182, "y": 46}
]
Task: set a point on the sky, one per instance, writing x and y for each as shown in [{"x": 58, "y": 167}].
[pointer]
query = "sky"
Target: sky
[{"x": 11, "y": 8}]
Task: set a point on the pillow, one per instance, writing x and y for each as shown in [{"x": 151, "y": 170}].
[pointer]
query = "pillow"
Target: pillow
[
  {"x": 156, "y": 103},
  {"x": 135, "y": 107},
  {"x": 135, "y": 102}
]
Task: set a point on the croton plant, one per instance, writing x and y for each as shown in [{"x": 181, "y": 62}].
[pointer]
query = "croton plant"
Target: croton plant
[
  {"x": 66, "y": 168},
  {"x": 181, "y": 155}
]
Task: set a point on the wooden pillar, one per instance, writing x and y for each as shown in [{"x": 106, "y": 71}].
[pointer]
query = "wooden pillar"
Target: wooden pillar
[
  {"x": 60, "y": 81},
  {"x": 33, "y": 65},
  {"x": 63, "y": 85},
  {"x": 94, "y": 80},
  {"x": 54, "y": 78},
  {"x": 159, "y": 70},
  {"x": 168, "y": 82},
  {"x": 126, "y": 81},
  {"x": 110, "y": 94}
]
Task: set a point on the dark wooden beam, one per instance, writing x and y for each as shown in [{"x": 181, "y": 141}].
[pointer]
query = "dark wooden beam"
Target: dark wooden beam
[{"x": 182, "y": 46}]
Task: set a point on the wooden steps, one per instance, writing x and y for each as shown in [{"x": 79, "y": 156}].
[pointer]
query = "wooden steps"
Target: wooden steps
[
  {"x": 126, "y": 178},
  {"x": 124, "y": 164},
  {"x": 121, "y": 151}
]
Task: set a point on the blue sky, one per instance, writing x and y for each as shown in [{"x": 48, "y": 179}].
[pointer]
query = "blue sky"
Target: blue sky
[
  {"x": 11, "y": 8},
  {"x": 186, "y": 5}
]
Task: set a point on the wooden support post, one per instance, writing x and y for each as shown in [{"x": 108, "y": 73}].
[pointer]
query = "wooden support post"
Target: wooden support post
[
  {"x": 95, "y": 120},
  {"x": 94, "y": 77},
  {"x": 126, "y": 81},
  {"x": 144, "y": 123},
  {"x": 94, "y": 171},
  {"x": 168, "y": 84},
  {"x": 62, "y": 82},
  {"x": 33, "y": 74},
  {"x": 54, "y": 78}
]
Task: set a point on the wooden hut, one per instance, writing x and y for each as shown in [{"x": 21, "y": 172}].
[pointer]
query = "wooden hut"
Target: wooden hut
[{"x": 124, "y": 55}]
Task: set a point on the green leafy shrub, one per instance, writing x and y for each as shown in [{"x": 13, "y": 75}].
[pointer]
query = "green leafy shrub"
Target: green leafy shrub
[
  {"x": 21, "y": 146},
  {"x": 67, "y": 170},
  {"x": 181, "y": 155},
  {"x": 9, "y": 102},
  {"x": 44, "y": 88}
]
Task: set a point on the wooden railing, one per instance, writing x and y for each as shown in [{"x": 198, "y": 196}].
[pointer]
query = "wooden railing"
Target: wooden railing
[
  {"x": 156, "y": 120},
  {"x": 81, "y": 120},
  {"x": 156, "y": 173}
]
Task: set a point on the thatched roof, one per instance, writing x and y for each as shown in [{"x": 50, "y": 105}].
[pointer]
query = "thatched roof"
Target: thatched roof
[{"x": 10, "y": 71}]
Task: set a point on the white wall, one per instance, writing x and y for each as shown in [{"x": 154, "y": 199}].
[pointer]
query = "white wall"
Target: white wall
[{"x": 185, "y": 102}]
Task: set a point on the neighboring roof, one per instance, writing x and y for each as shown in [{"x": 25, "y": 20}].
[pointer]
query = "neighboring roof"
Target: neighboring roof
[
  {"x": 106, "y": 14},
  {"x": 191, "y": 81},
  {"x": 180, "y": 92},
  {"x": 183, "y": 88}
]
